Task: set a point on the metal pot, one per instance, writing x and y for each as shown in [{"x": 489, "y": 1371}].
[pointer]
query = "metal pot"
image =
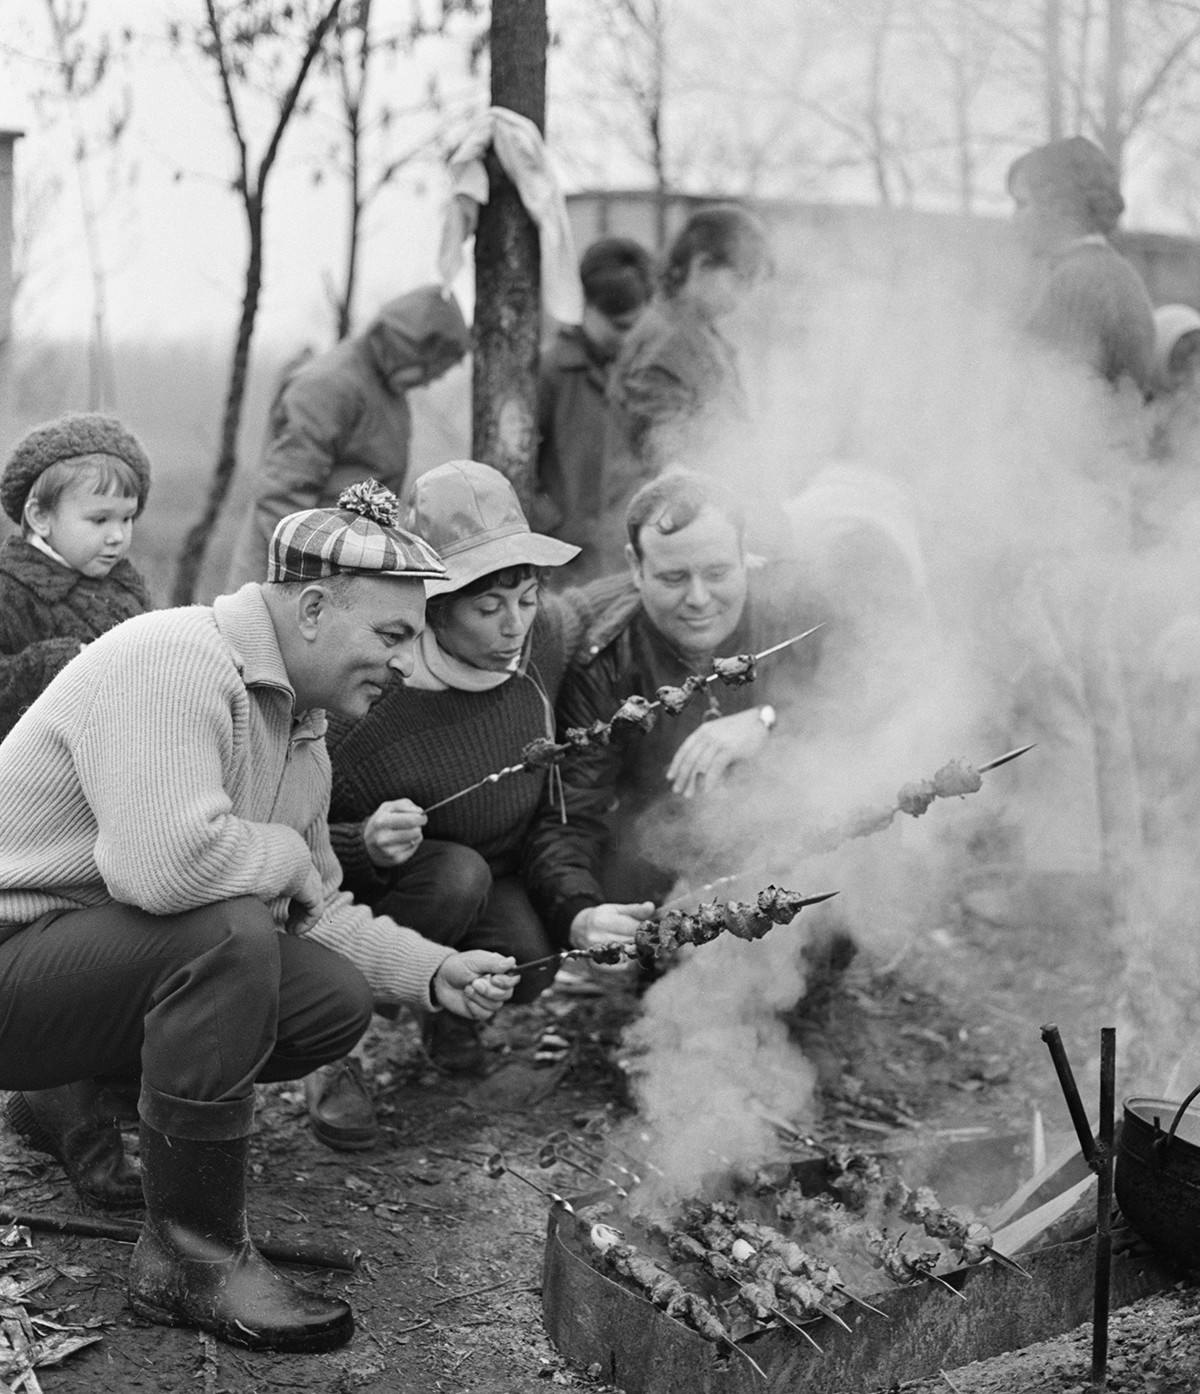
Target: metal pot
[{"x": 1158, "y": 1175}]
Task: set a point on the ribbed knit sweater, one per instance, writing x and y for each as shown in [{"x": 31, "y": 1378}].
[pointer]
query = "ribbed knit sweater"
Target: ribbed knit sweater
[
  {"x": 47, "y": 611},
  {"x": 166, "y": 768},
  {"x": 425, "y": 745}
]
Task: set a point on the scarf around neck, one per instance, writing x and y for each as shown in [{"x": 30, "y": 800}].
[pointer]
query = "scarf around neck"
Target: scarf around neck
[{"x": 436, "y": 670}]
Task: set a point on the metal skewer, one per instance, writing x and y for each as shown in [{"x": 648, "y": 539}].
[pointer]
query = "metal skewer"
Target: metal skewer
[
  {"x": 497, "y": 1166},
  {"x": 564, "y": 1139},
  {"x": 757, "y": 657},
  {"x": 745, "y": 1354},
  {"x": 627, "y": 950},
  {"x": 479, "y": 783},
  {"x": 498, "y": 775},
  {"x": 548, "y": 1155},
  {"x": 775, "y": 1312},
  {"x": 1004, "y": 759}
]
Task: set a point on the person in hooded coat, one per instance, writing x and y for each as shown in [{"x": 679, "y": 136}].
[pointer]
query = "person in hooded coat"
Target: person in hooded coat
[
  {"x": 344, "y": 417},
  {"x": 1091, "y": 305}
]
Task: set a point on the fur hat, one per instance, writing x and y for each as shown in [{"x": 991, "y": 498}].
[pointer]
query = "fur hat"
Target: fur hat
[{"x": 69, "y": 437}]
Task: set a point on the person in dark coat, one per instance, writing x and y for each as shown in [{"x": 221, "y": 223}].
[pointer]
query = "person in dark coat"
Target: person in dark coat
[
  {"x": 74, "y": 486},
  {"x": 1091, "y": 305},
  {"x": 688, "y": 596},
  {"x": 573, "y": 411},
  {"x": 344, "y": 417},
  {"x": 676, "y": 391}
]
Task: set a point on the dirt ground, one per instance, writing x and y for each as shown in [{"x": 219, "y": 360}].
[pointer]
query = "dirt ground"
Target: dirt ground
[{"x": 447, "y": 1293}]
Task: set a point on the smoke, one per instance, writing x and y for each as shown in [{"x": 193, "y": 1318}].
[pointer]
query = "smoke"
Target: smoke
[{"x": 1003, "y": 562}]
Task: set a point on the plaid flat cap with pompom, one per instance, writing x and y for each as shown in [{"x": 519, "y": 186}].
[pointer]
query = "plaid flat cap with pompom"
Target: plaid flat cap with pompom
[
  {"x": 357, "y": 538},
  {"x": 70, "y": 437}
]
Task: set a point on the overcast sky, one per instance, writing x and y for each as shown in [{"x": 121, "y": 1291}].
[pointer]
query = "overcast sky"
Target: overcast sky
[{"x": 173, "y": 238}]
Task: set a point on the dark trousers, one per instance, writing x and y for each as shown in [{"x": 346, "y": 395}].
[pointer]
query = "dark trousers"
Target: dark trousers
[
  {"x": 201, "y": 1005},
  {"x": 447, "y": 893}
]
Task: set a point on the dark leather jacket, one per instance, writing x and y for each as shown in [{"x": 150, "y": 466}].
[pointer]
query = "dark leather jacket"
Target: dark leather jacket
[{"x": 604, "y": 786}]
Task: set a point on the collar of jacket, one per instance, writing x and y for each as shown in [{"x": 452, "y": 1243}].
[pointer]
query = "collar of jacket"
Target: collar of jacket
[
  {"x": 611, "y": 604},
  {"x": 53, "y": 583},
  {"x": 245, "y": 624}
]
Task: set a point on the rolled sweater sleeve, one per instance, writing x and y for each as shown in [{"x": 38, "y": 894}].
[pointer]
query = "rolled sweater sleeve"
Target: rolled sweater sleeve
[{"x": 167, "y": 838}]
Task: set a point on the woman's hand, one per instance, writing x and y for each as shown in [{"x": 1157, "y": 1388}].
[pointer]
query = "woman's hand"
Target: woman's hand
[
  {"x": 475, "y": 984},
  {"x": 393, "y": 832}
]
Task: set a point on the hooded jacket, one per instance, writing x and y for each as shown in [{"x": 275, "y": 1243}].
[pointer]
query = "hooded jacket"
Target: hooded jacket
[{"x": 339, "y": 420}]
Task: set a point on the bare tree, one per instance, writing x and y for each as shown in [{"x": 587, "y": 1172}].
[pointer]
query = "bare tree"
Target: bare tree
[
  {"x": 508, "y": 319},
  {"x": 378, "y": 139},
  {"x": 85, "y": 65},
  {"x": 256, "y": 46}
]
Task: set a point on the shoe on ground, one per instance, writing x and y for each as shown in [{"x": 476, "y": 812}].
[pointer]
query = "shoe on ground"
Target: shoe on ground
[
  {"x": 76, "y": 1125},
  {"x": 340, "y": 1109},
  {"x": 453, "y": 1044}
]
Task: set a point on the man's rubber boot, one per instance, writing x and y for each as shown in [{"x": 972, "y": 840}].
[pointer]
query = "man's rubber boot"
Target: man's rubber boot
[
  {"x": 76, "y": 1123},
  {"x": 195, "y": 1264}
]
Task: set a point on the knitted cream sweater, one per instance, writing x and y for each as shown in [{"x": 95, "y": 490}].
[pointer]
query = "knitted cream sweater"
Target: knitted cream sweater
[{"x": 164, "y": 768}]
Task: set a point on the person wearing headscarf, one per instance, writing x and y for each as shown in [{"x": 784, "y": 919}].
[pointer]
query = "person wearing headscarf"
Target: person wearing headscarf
[
  {"x": 487, "y": 672},
  {"x": 1090, "y": 304}
]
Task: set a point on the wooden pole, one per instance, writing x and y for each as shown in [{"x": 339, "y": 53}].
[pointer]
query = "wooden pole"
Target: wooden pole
[
  {"x": 508, "y": 302},
  {"x": 1104, "y": 1199}
]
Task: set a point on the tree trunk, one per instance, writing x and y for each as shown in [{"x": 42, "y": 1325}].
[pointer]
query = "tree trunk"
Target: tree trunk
[
  {"x": 508, "y": 302},
  {"x": 353, "y": 231},
  {"x": 1053, "y": 21},
  {"x": 1114, "y": 72},
  {"x": 195, "y": 544}
]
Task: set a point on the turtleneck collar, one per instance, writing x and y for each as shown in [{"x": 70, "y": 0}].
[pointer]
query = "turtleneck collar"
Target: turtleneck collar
[{"x": 436, "y": 670}]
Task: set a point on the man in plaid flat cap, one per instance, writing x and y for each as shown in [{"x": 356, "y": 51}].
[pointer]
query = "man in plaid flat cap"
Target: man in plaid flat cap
[{"x": 169, "y": 902}]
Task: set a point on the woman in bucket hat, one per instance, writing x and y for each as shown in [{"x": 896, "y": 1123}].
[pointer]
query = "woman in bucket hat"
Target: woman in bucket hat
[{"x": 488, "y": 669}]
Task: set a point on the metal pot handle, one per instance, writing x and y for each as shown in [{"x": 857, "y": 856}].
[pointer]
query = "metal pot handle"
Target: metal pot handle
[{"x": 1162, "y": 1143}]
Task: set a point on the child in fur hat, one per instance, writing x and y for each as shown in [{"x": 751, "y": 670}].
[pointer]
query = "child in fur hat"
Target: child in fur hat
[{"x": 74, "y": 486}]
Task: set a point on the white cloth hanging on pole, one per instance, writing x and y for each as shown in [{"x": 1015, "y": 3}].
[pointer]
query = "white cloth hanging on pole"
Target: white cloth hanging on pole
[{"x": 526, "y": 160}]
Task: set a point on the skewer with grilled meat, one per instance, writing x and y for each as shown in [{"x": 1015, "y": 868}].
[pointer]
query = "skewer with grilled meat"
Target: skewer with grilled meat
[
  {"x": 970, "y": 1240},
  {"x": 953, "y": 780},
  {"x": 543, "y": 753},
  {"x": 674, "y": 699},
  {"x": 663, "y": 1289},
  {"x": 903, "y": 1266},
  {"x": 673, "y": 928},
  {"x": 716, "y": 1227},
  {"x": 735, "y": 671},
  {"x": 635, "y": 712}
]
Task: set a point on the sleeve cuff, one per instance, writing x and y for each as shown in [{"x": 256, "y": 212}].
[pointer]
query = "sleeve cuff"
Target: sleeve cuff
[
  {"x": 358, "y": 870},
  {"x": 563, "y": 916}
]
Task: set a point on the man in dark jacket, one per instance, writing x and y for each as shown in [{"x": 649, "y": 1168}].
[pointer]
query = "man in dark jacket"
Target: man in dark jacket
[
  {"x": 692, "y": 598},
  {"x": 344, "y": 417},
  {"x": 572, "y": 408}
]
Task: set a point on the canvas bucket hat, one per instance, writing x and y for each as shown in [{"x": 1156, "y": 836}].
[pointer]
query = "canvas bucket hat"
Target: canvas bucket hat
[{"x": 469, "y": 513}]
